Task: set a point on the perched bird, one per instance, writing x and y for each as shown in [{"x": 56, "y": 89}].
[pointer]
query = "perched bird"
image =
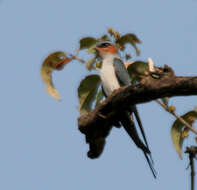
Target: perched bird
[{"x": 114, "y": 75}]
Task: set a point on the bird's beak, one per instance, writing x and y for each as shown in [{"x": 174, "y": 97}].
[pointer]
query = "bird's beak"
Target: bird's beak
[{"x": 97, "y": 50}]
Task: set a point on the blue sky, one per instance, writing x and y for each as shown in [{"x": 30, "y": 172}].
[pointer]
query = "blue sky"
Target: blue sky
[{"x": 41, "y": 147}]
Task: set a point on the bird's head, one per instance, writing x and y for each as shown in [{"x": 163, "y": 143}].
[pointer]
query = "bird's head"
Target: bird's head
[{"x": 106, "y": 48}]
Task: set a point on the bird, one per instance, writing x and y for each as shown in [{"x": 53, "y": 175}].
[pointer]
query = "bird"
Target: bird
[{"x": 114, "y": 74}]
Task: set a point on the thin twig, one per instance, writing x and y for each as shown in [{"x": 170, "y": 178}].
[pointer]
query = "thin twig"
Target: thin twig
[
  {"x": 79, "y": 59},
  {"x": 178, "y": 117},
  {"x": 75, "y": 56}
]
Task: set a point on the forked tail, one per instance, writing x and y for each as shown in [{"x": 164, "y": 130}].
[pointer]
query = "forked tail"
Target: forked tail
[{"x": 129, "y": 126}]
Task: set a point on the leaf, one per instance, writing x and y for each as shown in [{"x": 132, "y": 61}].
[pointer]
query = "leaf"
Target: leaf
[
  {"x": 90, "y": 63},
  {"x": 87, "y": 92},
  {"x": 137, "y": 50},
  {"x": 104, "y": 38},
  {"x": 128, "y": 38},
  {"x": 55, "y": 61},
  {"x": 177, "y": 131},
  {"x": 91, "y": 50},
  {"x": 99, "y": 97},
  {"x": 98, "y": 64},
  {"x": 111, "y": 31},
  {"x": 165, "y": 100},
  {"x": 185, "y": 132},
  {"x": 137, "y": 70},
  {"x": 131, "y": 39},
  {"x": 117, "y": 35},
  {"x": 87, "y": 42}
]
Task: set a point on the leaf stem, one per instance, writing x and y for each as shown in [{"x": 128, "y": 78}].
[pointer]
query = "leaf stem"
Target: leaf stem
[
  {"x": 75, "y": 56},
  {"x": 178, "y": 117},
  {"x": 78, "y": 59}
]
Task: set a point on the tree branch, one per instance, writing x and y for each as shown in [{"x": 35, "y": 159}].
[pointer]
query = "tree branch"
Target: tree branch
[
  {"x": 177, "y": 117},
  {"x": 161, "y": 83},
  {"x": 192, "y": 151}
]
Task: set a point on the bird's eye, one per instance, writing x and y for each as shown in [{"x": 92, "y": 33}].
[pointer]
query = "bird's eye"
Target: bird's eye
[{"x": 103, "y": 45}]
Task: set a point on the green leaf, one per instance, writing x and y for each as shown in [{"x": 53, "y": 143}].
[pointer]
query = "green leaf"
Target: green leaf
[
  {"x": 104, "y": 38},
  {"x": 165, "y": 100},
  {"x": 98, "y": 64},
  {"x": 131, "y": 39},
  {"x": 127, "y": 38},
  {"x": 99, "y": 97},
  {"x": 87, "y": 42},
  {"x": 92, "y": 50},
  {"x": 177, "y": 130},
  {"x": 137, "y": 70},
  {"x": 90, "y": 63},
  {"x": 87, "y": 92},
  {"x": 55, "y": 61},
  {"x": 137, "y": 50}
]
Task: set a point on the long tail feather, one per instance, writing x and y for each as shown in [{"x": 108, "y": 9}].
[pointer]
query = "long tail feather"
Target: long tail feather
[
  {"x": 150, "y": 166},
  {"x": 130, "y": 128},
  {"x": 135, "y": 111}
]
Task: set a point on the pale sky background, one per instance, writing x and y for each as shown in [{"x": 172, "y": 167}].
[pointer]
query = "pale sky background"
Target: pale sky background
[{"x": 40, "y": 145}]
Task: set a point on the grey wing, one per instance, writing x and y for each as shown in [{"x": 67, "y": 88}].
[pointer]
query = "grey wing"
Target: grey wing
[{"x": 121, "y": 72}]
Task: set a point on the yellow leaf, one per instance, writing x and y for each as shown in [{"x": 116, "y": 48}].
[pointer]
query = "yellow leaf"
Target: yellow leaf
[
  {"x": 177, "y": 134},
  {"x": 55, "y": 61},
  {"x": 111, "y": 31},
  {"x": 117, "y": 35},
  {"x": 185, "y": 133}
]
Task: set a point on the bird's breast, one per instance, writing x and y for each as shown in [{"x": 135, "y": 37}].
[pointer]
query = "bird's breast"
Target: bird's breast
[{"x": 108, "y": 78}]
